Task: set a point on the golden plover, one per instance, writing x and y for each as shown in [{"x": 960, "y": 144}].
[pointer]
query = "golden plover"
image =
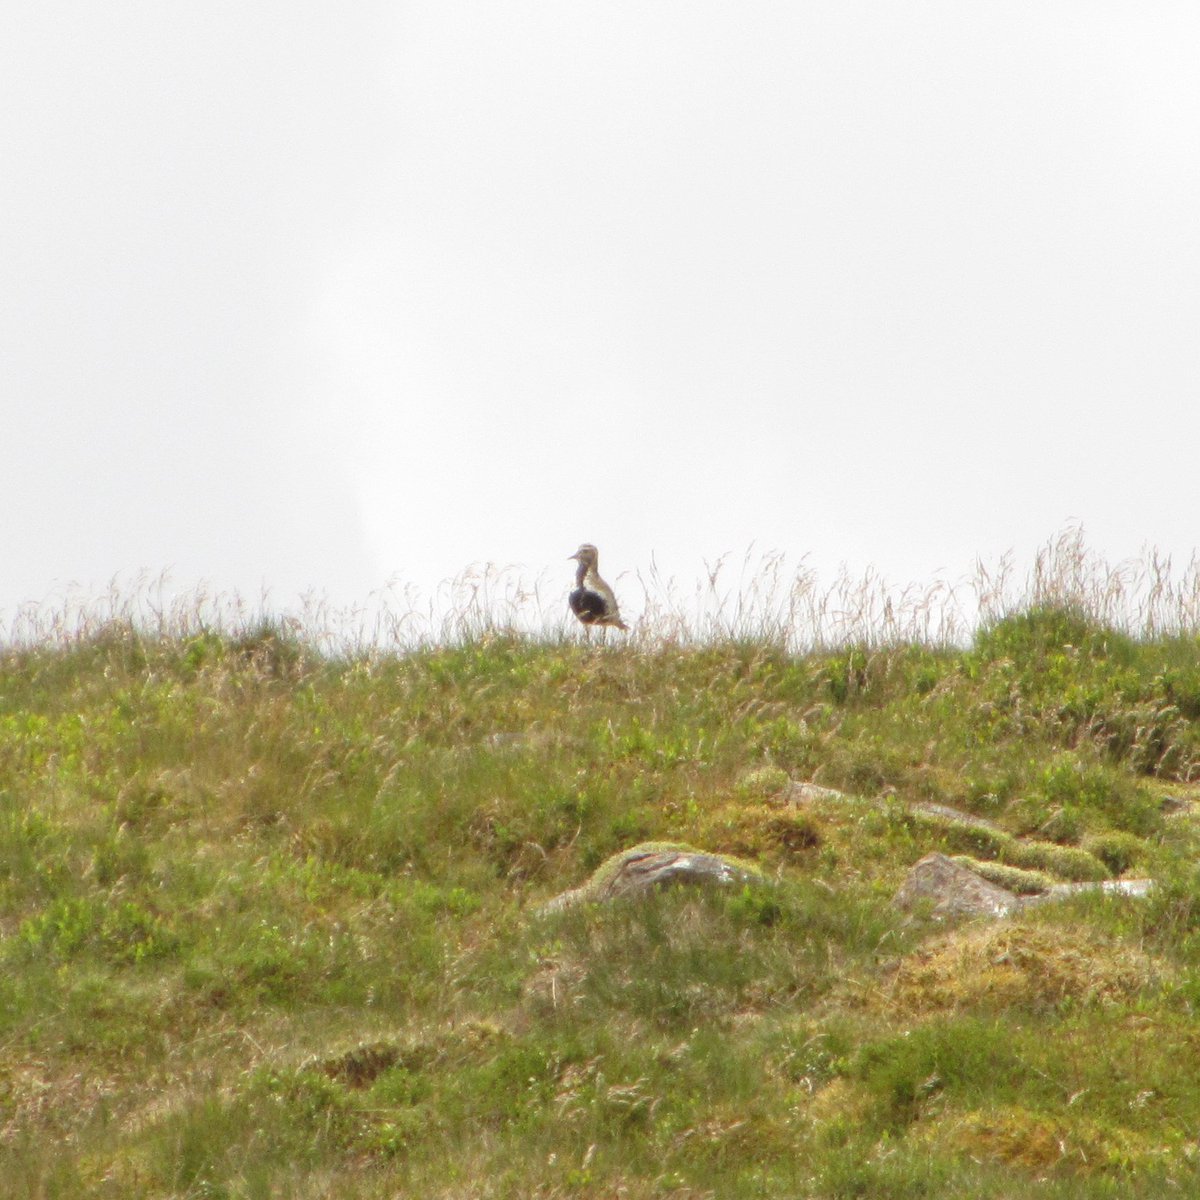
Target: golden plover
[{"x": 593, "y": 601}]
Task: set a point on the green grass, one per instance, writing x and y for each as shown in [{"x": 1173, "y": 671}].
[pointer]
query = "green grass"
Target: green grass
[{"x": 269, "y": 918}]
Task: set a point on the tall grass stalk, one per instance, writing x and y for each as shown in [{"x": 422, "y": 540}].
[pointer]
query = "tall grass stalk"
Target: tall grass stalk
[{"x": 761, "y": 597}]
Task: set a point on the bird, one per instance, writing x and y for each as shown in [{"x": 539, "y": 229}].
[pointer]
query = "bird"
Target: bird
[{"x": 593, "y": 601}]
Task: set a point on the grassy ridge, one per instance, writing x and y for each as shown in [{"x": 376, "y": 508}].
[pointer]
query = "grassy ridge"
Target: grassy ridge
[{"x": 268, "y": 919}]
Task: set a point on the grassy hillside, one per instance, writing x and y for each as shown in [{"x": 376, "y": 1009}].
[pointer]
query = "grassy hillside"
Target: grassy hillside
[{"x": 269, "y": 927}]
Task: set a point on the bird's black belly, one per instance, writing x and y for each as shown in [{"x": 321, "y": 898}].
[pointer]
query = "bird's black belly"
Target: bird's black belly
[{"x": 587, "y": 606}]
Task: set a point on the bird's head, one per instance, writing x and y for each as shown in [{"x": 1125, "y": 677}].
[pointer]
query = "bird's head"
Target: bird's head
[{"x": 586, "y": 554}]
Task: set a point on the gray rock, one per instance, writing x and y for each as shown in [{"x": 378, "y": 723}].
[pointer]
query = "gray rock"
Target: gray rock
[
  {"x": 648, "y": 867},
  {"x": 951, "y": 890},
  {"x": 1137, "y": 889},
  {"x": 943, "y": 812},
  {"x": 809, "y": 793}
]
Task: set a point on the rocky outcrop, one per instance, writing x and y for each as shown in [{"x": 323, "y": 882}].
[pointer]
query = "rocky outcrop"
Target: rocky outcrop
[
  {"x": 650, "y": 866},
  {"x": 948, "y": 889},
  {"x": 951, "y": 890}
]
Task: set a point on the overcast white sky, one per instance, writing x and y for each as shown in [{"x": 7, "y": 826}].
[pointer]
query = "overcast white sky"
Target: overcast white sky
[{"x": 311, "y": 295}]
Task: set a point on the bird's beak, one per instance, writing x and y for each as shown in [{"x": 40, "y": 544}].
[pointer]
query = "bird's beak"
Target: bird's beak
[{"x": 573, "y": 556}]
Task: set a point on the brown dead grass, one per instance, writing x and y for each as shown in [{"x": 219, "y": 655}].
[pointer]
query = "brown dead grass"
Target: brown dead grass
[
  {"x": 1017, "y": 965},
  {"x": 1038, "y": 1141}
]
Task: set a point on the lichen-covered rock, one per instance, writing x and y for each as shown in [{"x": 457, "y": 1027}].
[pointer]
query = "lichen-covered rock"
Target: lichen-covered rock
[
  {"x": 951, "y": 890},
  {"x": 810, "y": 793},
  {"x": 650, "y": 866}
]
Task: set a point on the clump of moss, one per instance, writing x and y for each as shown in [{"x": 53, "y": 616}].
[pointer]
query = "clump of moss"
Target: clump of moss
[
  {"x": 1064, "y": 862},
  {"x": 761, "y": 783},
  {"x": 1064, "y": 826},
  {"x": 1036, "y": 1140},
  {"x": 981, "y": 841},
  {"x": 1016, "y": 879},
  {"x": 1117, "y": 850},
  {"x": 1017, "y": 965}
]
